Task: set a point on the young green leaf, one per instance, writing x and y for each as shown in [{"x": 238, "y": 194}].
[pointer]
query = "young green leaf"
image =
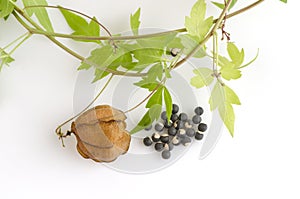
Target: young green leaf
[
  {"x": 203, "y": 77},
  {"x": 229, "y": 73},
  {"x": 222, "y": 97},
  {"x": 284, "y": 1},
  {"x": 196, "y": 24},
  {"x": 237, "y": 56},
  {"x": 227, "y": 114},
  {"x": 6, "y": 7},
  {"x": 230, "y": 96},
  {"x": 80, "y": 26},
  {"x": 5, "y": 59},
  {"x": 40, "y": 13},
  {"x": 168, "y": 102},
  {"x": 135, "y": 22},
  {"x": 250, "y": 62}
]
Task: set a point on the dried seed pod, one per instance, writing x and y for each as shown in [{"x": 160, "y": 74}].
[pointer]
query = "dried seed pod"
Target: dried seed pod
[{"x": 101, "y": 134}]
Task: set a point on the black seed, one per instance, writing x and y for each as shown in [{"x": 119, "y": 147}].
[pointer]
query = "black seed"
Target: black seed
[
  {"x": 159, "y": 146},
  {"x": 190, "y": 132},
  {"x": 163, "y": 115},
  {"x": 165, "y": 138},
  {"x": 199, "y": 135},
  {"x": 166, "y": 154},
  {"x": 149, "y": 127},
  {"x": 174, "y": 52},
  {"x": 179, "y": 124},
  {"x": 174, "y": 117},
  {"x": 188, "y": 124},
  {"x": 199, "y": 110},
  {"x": 169, "y": 146},
  {"x": 147, "y": 141},
  {"x": 159, "y": 127},
  {"x": 186, "y": 141},
  {"x": 175, "y": 108},
  {"x": 183, "y": 117},
  {"x": 181, "y": 133},
  {"x": 172, "y": 131},
  {"x": 202, "y": 127},
  {"x": 155, "y": 137},
  {"x": 176, "y": 141},
  {"x": 168, "y": 124},
  {"x": 196, "y": 119}
]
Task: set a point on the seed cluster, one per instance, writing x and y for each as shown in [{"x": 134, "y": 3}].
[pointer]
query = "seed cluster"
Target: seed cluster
[{"x": 178, "y": 130}]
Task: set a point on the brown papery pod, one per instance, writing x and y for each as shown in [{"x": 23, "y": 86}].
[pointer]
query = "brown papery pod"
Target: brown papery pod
[{"x": 101, "y": 133}]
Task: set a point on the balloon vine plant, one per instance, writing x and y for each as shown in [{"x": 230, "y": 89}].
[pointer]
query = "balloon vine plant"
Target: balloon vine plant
[{"x": 151, "y": 57}]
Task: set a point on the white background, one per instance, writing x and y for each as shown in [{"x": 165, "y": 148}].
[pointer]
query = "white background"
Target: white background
[{"x": 261, "y": 161}]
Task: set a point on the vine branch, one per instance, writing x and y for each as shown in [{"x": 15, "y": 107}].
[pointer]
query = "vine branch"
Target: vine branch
[{"x": 133, "y": 37}]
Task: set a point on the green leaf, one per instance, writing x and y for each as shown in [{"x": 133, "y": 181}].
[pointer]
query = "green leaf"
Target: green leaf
[
  {"x": 5, "y": 58},
  {"x": 250, "y": 61},
  {"x": 148, "y": 55},
  {"x": 227, "y": 114},
  {"x": 168, "y": 102},
  {"x": 284, "y": 1},
  {"x": 80, "y": 26},
  {"x": 152, "y": 114},
  {"x": 106, "y": 57},
  {"x": 6, "y": 7},
  {"x": 155, "y": 106},
  {"x": 230, "y": 73},
  {"x": 156, "y": 98},
  {"x": 222, "y": 97},
  {"x": 98, "y": 56},
  {"x": 203, "y": 77},
  {"x": 135, "y": 22},
  {"x": 155, "y": 72},
  {"x": 40, "y": 13},
  {"x": 189, "y": 43},
  {"x": 222, "y": 6},
  {"x": 217, "y": 96},
  {"x": 158, "y": 42},
  {"x": 144, "y": 83},
  {"x": 237, "y": 56},
  {"x": 196, "y": 24},
  {"x": 231, "y": 96},
  {"x": 150, "y": 81},
  {"x": 230, "y": 69}
]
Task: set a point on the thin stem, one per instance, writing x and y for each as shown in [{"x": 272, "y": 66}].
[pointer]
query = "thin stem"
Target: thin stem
[
  {"x": 14, "y": 41},
  {"x": 71, "y": 10},
  {"x": 113, "y": 38},
  {"x": 58, "y": 129},
  {"x": 68, "y": 50},
  {"x": 208, "y": 36},
  {"x": 244, "y": 9},
  {"x": 215, "y": 51},
  {"x": 20, "y": 43}
]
